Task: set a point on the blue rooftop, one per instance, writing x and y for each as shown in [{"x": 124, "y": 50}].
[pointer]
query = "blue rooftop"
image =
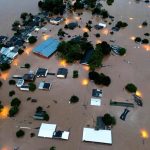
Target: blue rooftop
[{"x": 47, "y": 48}]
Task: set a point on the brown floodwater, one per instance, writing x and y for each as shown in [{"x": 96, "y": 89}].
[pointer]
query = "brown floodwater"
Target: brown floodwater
[
  {"x": 10, "y": 11},
  {"x": 126, "y": 134}
]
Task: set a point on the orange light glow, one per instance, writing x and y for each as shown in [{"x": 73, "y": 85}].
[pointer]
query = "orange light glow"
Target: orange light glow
[
  {"x": 140, "y": 27},
  {"x": 144, "y": 134},
  {"x": 4, "y": 112},
  {"x": 85, "y": 82},
  {"x": 45, "y": 37},
  {"x": 138, "y": 93},
  {"x": 98, "y": 41},
  {"x": 132, "y": 38},
  {"x": 85, "y": 29},
  {"x": 146, "y": 47},
  {"x": 77, "y": 18},
  {"x": 28, "y": 50},
  {"x": 131, "y": 18},
  {"x": 15, "y": 62},
  {"x": 5, "y": 148},
  {"x": 105, "y": 31},
  {"x": 86, "y": 68},
  {"x": 67, "y": 21},
  {"x": 4, "y": 75},
  {"x": 63, "y": 63}
]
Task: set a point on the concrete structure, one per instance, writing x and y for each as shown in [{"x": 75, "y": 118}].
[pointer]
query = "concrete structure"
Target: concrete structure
[
  {"x": 95, "y": 102},
  {"x": 47, "y": 130},
  {"x": 46, "y": 48},
  {"x": 62, "y": 73},
  {"x": 98, "y": 136}
]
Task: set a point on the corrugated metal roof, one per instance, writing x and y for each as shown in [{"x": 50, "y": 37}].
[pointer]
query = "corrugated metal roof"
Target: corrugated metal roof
[{"x": 47, "y": 48}]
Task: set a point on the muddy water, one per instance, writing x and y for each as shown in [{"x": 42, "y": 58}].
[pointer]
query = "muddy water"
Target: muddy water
[
  {"x": 10, "y": 10},
  {"x": 126, "y": 135}
]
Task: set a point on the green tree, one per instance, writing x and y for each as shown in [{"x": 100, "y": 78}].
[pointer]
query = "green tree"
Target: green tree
[
  {"x": 32, "y": 39},
  {"x": 122, "y": 51},
  {"x": 32, "y": 87},
  {"x": 85, "y": 34},
  {"x": 27, "y": 65},
  {"x": 109, "y": 120},
  {"x": 53, "y": 148},
  {"x": 24, "y": 15},
  {"x": 1, "y": 83},
  {"x": 74, "y": 99},
  {"x": 11, "y": 93},
  {"x": 15, "y": 102},
  {"x": 12, "y": 82},
  {"x": 130, "y": 87},
  {"x": 13, "y": 111},
  {"x": 4, "y": 66},
  {"x": 46, "y": 117},
  {"x": 110, "y": 2},
  {"x": 20, "y": 133}
]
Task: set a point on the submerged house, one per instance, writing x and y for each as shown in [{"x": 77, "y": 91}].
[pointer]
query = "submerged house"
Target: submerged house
[
  {"x": 46, "y": 48},
  {"x": 62, "y": 73},
  {"x": 56, "y": 20},
  {"x": 86, "y": 57}
]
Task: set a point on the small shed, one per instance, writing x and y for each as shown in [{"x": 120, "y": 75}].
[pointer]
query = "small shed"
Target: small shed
[
  {"x": 62, "y": 73},
  {"x": 41, "y": 72}
]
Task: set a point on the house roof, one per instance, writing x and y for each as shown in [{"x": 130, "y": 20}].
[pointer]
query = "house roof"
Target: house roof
[
  {"x": 86, "y": 57},
  {"x": 97, "y": 93},
  {"x": 44, "y": 86},
  {"x": 95, "y": 102},
  {"x": 47, "y": 130},
  {"x": 47, "y": 48},
  {"x": 61, "y": 134},
  {"x": 62, "y": 71},
  {"x": 29, "y": 77},
  {"x": 98, "y": 136},
  {"x": 41, "y": 72},
  {"x": 72, "y": 25}
]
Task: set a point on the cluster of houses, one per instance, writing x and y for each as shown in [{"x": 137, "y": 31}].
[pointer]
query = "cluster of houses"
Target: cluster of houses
[
  {"x": 7, "y": 55},
  {"x": 99, "y": 134},
  {"x": 22, "y": 82}
]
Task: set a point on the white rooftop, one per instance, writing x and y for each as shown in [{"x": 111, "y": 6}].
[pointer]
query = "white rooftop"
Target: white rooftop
[
  {"x": 95, "y": 102},
  {"x": 65, "y": 135},
  {"x": 47, "y": 130},
  {"x": 99, "y": 136},
  {"x": 102, "y": 24}
]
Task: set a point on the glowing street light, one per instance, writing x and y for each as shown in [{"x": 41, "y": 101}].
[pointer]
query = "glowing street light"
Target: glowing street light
[
  {"x": 86, "y": 68},
  {"x": 85, "y": 82},
  {"x": 4, "y": 75},
  {"x": 146, "y": 47},
  {"x": 4, "y": 112},
  {"x": 132, "y": 38},
  {"x": 140, "y": 27},
  {"x": 63, "y": 63},
  {"x": 105, "y": 31},
  {"x": 85, "y": 29},
  {"x": 139, "y": 93}
]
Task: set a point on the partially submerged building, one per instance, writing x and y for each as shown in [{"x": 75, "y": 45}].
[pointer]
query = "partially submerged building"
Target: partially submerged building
[
  {"x": 46, "y": 48},
  {"x": 86, "y": 57},
  {"x": 44, "y": 86},
  {"x": 97, "y": 136},
  {"x": 41, "y": 72},
  {"x": 56, "y": 20},
  {"x": 62, "y": 73},
  {"x": 49, "y": 131}
]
